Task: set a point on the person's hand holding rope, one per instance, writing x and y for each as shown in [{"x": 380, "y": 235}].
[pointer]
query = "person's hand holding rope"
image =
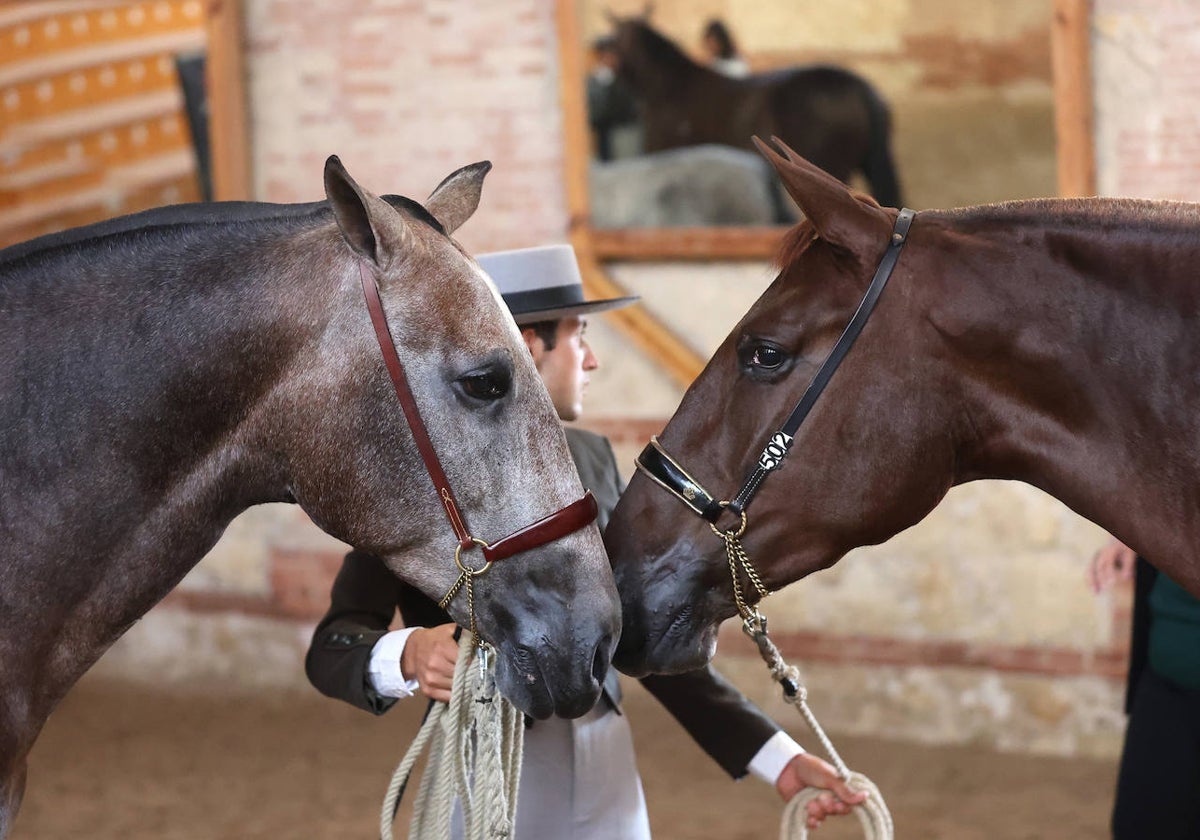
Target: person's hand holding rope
[
  {"x": 429, "y": 657},
  {"x": 809, "y": 771}
]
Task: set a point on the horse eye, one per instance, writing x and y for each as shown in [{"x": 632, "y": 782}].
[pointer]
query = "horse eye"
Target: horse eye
[
  {"x": 763, "y": 357},
  {"x": 486, "y": 387}
]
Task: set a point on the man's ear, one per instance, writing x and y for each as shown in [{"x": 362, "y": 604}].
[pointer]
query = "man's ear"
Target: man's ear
[{"x": 537, "y": 347}]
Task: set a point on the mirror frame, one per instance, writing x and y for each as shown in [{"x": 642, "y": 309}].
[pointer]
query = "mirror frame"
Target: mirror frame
[
  {"x": 225, "y": 88},
  {"x": 1070, "y": 33}
]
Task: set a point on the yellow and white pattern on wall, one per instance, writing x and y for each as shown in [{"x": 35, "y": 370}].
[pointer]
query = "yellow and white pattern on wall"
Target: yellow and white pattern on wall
[{"x": 92, "y": 116}]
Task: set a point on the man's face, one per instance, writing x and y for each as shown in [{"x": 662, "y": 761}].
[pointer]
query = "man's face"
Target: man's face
[{"x": 565, "y": 369}]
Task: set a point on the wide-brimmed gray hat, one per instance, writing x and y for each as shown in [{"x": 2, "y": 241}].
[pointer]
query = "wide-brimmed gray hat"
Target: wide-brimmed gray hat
[{"x": 543, "y": 284}]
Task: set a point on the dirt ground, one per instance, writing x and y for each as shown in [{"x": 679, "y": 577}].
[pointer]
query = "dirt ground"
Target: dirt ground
[{"x": 120, "y": 761}]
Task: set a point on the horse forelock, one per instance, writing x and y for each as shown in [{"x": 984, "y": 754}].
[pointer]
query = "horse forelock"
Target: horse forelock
[{"x": 795, "y": 242}]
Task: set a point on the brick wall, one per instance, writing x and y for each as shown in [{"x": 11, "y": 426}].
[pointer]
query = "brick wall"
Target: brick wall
[
  {"x": 1147, "y": 98},
  {"x": 406, "y": 91}
]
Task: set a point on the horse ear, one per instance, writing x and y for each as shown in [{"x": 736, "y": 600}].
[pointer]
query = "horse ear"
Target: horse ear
[
  {"x": 839, "y": 218},
  {"x": 454, "y": 200},
  {"x": 368, "y": 224}
]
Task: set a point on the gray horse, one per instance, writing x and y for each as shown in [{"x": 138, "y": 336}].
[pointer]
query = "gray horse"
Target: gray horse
[{"x": 166, "y": 371}]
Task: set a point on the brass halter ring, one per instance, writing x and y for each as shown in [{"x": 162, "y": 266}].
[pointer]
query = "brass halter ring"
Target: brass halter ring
[
  {"x": 741, "y": 528},
  {"x": 467, "y": 570}
]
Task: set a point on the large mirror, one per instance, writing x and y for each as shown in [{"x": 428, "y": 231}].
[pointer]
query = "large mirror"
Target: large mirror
[{"x": 929, "y": 104}]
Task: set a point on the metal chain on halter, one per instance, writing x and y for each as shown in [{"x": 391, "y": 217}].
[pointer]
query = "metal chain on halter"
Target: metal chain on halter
[
  {"x": 466, "y": 579},
  {"x": 872, "y": 813},
  {"x": 738, "y": 559}
]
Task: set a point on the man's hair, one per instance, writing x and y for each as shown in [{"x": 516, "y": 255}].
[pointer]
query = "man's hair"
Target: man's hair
[{"x": 547, "y": 331}]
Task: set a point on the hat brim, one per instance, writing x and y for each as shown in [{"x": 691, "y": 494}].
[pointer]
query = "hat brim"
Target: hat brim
[{"x": 586, "y": 308}]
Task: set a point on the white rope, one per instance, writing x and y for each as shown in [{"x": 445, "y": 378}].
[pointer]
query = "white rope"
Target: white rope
[
  {"x": 475, "y": 759},
  {"x": 872, "y": 813}
]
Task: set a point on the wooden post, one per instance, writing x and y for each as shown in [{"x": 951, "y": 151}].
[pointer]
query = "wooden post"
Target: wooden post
[
  {"x": 651, "y": 335},
  {"x": 1071, "y": 48},
  {"x": 224, "y": 86}
]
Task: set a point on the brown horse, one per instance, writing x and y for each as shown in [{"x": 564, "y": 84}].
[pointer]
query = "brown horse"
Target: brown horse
[
  {"x": 164, "y": 372},
  {"x": 833, "y": 117},
  {"x": 1053, "y": 342}
]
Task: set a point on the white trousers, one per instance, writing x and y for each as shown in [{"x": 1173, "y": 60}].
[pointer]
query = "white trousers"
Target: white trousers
[{"x": 579, "y": 781}]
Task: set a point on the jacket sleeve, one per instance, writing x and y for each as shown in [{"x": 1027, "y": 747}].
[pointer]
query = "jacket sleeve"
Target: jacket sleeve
[
  {"x": 363, "y": 604},
  {"x": 719, "y": 718}
]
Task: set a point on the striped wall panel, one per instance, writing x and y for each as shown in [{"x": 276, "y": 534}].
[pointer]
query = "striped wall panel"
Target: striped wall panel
[{"x": 92, "y": 119}]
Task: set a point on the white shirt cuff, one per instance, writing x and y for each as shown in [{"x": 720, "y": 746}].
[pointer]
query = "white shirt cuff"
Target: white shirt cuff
[
  {"x": 384, "y": 668},
  {"x": 773, "y": 756}
]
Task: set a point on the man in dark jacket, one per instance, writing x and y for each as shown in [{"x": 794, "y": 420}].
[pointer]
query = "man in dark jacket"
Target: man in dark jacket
[
  {"x": 1158, "y": 779},
  {"x": 579, "y": 779}
]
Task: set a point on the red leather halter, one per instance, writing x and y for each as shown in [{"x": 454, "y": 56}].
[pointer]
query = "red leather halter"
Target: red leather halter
[{"x": 564, "y": 521}]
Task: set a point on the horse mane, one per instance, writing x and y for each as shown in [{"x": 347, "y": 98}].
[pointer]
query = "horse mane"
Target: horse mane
[
  {"x": 1070, "y": 213},
  {"x": 159, "y": 221},
  {"x": 658, "y": 48},
  {"x": 1079, "y": 213}
]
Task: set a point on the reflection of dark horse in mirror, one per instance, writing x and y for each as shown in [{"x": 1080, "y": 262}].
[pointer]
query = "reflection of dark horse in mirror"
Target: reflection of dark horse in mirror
[
  {"x": 164, "y": 372},
  {"x": 833, "y": 117},
  {"x": 1053, "y": 342}
]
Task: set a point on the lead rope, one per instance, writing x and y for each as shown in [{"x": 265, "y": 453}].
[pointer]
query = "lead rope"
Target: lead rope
[
  {"x": 475, "y": 745},
  {"x": 872, "y": 813}
]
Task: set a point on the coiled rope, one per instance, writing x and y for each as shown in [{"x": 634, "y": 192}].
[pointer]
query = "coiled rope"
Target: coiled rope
[
  {"x": 872, "y": 813},
  {"x": 475, "y": 758}
]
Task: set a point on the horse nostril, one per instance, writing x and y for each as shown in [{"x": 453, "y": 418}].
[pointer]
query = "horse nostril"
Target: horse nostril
[{"x": 600, "y": 662}]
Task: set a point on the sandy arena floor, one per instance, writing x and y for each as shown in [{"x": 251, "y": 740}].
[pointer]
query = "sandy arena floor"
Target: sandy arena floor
[{"x": 118, "y": 762}]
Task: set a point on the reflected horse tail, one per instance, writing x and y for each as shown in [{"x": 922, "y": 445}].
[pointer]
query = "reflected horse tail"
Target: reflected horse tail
[{"x": 878, "y": 166}]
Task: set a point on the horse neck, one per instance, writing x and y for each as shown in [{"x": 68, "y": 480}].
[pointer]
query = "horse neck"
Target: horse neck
[
  {"x": 659, "y": 73},
  {"x": 136, "y": 448},
  {"x": 1078, "y": 356}
]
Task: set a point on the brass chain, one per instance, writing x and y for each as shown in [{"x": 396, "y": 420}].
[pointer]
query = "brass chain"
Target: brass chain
[
  {"x": 466, "y": 579},
  {"x": 740, "y": 561}
]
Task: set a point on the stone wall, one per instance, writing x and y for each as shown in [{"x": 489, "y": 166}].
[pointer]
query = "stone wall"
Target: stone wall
[{"x": 974, "y": 626}]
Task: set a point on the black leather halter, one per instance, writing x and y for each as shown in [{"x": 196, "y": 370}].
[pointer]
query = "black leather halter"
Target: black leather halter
[{"x": 665, "y": 471}]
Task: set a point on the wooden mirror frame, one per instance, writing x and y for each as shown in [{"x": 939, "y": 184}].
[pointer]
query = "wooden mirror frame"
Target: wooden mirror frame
[
  {"x": 1071, "y": 51},
  {"x": 224, "y": 85}
]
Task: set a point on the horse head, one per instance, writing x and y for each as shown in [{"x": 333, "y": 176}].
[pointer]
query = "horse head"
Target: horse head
[
  {"x": 867, "y": 462},
  {"x": 353, "y": 464}
]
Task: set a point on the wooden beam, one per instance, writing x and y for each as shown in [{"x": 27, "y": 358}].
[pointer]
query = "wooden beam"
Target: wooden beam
[
  {"x": 1073, "y": 113},
  {"x": 687, "y": 243},
  {"x": 572, "y": 93},
  {"x": 224, "y": 86}
]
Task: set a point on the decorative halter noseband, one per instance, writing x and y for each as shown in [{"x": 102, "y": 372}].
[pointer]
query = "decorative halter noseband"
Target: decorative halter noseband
[
  {"x": 665, "y": 471},
  {"x": 559, "y": 524}
]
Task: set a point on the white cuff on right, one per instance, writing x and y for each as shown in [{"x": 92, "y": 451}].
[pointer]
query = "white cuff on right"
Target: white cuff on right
[
  {"x": 384, "y": 668},
  {"x": 773, "y": 756}
]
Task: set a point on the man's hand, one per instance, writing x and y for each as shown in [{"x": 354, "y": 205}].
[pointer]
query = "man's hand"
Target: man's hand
[
  {"x": 809, "y": 771},
  {"x": 429, "y": 656},
  {"x": 1112, "y": 564}
]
